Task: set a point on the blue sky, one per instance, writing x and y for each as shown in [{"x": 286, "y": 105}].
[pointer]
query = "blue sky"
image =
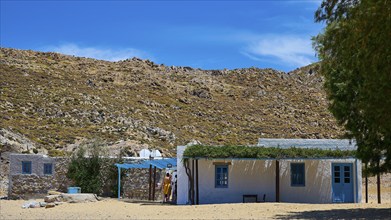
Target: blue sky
[{"x": 201, "y": 34}]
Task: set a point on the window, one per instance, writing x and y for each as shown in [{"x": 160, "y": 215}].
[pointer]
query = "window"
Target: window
[
  {"x": 47, "y": 168},
  {"x": 221, "y": 178},
  {"x": 337, "y": 174},
  {"x": 26, "y": 167},
  {"x": 297, "y": 174},
  {"x": 347, "y": 174}
]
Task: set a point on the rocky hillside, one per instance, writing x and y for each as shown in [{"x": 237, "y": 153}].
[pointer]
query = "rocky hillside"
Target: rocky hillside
[{"x": 52, "y": 102}]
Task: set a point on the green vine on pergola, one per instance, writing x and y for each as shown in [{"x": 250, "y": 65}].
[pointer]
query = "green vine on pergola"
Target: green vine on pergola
[
  {"x": 204, "y": 151},
  {"x": 251, "y": 152}
]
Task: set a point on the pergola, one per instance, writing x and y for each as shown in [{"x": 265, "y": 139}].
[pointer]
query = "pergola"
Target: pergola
[{"x": 144, "y": 164}]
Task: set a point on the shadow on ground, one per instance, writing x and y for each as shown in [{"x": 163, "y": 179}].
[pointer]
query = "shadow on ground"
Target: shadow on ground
[
  {"x": 368, "y": 213},
  {"x": 146, "y": 202}
]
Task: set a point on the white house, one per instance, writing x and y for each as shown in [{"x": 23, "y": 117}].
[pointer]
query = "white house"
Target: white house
[{"x": 297, "y": 180}]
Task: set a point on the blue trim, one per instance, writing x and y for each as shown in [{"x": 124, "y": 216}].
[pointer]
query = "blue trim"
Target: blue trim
[
  {"x": 298, "y": 171},
  {"x": 47, "y": 168},
  {"x": 332, "y": 183},
  {"x": 26, "y": 167},
  {"x": 345, "y": 197},
  {"x": 221, "y": 178}
]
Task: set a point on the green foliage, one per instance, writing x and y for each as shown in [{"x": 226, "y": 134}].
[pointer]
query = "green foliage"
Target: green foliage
[
  {"x": 92, "y": 170},
  {"x": 262, "y": 152},
  {"x": 355, "y": 53}
]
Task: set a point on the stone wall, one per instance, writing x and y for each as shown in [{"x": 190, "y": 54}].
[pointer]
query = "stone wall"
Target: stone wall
[
  {"x": 4, "y": 174},
  {"x": 37, "y": 185},
  {"x": 136, "y": 184}
]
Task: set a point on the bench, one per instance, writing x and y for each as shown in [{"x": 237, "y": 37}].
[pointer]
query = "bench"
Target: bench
[{"x": 250, "y": 198}]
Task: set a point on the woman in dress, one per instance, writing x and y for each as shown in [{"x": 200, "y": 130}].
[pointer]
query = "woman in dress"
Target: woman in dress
[{"x": 167, "y": 187}]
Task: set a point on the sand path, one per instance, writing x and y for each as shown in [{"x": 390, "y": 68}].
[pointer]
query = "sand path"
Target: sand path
[{"x": 113, "y": 209}]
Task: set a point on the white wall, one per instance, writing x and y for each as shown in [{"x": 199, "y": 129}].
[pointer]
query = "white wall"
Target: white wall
[
  {"x": 244, "y": 177},
  {"x": 318, "y": 181},
  {"x": 182, "y": 179},
  {"x": 258, "y": 177},
  {"x": 317, "y": 187},
  {"x": 358, "y": 181}
]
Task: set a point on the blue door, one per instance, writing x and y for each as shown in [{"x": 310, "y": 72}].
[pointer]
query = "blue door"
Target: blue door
[{"x": 342, "y": 183}]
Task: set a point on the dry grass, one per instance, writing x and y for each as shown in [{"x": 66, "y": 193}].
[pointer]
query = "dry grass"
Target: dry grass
[{"x": 55, "y": 99}]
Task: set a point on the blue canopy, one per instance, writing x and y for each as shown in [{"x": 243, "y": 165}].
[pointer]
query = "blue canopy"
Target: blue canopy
[{"x": 158, "y": 163}]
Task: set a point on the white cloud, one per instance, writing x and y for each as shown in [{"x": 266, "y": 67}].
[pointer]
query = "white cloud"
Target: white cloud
[
  {"x": 97, "y": 52},
  {"x": 292, "y": 50}
]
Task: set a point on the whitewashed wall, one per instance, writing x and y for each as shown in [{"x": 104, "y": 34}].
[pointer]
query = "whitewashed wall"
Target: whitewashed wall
[
  {"x": 258, "y": 177},
  {"x": 244, "y": 177},
  {"x": 318, "y": 181},
  {"x": 182, "y": 179}
]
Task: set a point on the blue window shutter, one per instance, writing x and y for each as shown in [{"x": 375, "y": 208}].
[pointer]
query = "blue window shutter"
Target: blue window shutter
[
  {"x": 48, "y": 168},
  {"x": 297, "y": 174},
  {"x": 26, "y": 167},
  {"x": 221, "y": 176}
]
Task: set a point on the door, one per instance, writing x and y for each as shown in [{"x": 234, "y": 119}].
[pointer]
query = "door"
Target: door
[{"x": 342, "y": 183}]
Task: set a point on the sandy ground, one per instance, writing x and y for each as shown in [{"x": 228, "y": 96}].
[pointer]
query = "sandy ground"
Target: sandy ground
[
  {"x": 372, "y": 189},
  {"x": 113, "y": 209}
]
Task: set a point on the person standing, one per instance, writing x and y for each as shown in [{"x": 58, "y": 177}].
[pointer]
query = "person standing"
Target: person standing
[
  {"x": 167, "y": 187},
  {"x": 174, "y": 187}
]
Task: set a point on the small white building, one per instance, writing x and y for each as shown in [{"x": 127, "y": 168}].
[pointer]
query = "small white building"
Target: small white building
[{"x": 296, "y": 180}]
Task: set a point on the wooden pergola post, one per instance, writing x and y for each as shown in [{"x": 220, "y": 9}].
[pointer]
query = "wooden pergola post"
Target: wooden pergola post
[
  {"x": 150, "y": 183},
  {"x": 154, "y": 183},
  {"x": 197, "y": 191},
  {"x": 192, "y": 182}
]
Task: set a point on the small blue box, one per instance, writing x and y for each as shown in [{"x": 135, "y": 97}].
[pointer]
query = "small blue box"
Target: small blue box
[{"x": 74, "y": 190}]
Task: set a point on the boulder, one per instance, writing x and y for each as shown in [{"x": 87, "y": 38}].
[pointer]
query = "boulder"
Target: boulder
[
  {"x": 29, "y": 204},
  {"x": 50, "y": 205},
  {"x": 52, "y": 198},
  {"x": 53, "y": 192},
  {"x": 79, "y": 197},
  {"x": 34, "y": 204}
]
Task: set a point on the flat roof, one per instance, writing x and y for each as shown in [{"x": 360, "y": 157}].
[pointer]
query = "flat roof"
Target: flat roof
[{"x": 341, "y": 144}]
